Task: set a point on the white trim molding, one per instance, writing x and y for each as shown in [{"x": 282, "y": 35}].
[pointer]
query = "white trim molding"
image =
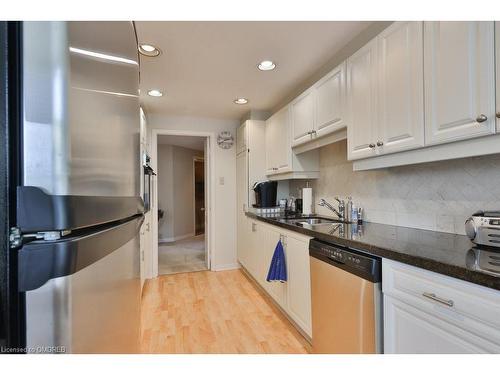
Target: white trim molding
[
  {"x": 210, "y": 194},
  {"x": 226, "y": 267}
]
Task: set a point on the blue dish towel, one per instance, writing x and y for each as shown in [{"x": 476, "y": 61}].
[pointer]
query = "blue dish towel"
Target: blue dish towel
[{"x": 277, "y": 269}]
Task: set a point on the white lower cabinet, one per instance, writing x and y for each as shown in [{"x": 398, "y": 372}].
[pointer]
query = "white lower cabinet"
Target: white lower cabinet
[
  {"x": 299, "y": 281},
  {"x": 426, "y": 312},
  {"x": 294, "y": 296}
]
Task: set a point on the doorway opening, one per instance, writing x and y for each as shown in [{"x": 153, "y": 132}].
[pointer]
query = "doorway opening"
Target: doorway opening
[{"x": 182, "y": 172}]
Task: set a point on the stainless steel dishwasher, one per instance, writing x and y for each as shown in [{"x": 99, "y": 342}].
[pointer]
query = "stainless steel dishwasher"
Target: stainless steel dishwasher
[{"x": 346, "y": 300}]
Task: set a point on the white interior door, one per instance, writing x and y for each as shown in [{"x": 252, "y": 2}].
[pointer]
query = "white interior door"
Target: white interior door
[
  {"x": 459, "y": 78},
  {"x": 401, "y": 92}
]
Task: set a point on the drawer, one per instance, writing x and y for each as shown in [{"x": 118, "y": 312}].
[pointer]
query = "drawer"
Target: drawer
[{"x": 471, "y": 307}]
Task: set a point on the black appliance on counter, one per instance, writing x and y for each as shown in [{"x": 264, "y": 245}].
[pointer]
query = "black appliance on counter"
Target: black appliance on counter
[{"x": 265, "y": 194}]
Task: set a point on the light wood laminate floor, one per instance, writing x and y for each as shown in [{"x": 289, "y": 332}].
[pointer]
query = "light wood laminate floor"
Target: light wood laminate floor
[{"x": 213, "y": 312}]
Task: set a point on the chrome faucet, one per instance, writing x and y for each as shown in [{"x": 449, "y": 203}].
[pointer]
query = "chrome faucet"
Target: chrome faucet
[{"x": 340, "y": 212}]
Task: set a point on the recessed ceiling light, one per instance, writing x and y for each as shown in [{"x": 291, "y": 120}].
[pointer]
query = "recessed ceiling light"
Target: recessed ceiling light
[
  {"x": 149, "y": 50},
  {"x": 155, "y": 93},
  {"x": 241, "y": 101},
  {"x": 266, "y": 65}
]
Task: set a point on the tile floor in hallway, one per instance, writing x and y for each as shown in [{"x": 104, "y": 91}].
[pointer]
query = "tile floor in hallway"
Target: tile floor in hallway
[
  {"x": 186, "y": 255},
  {"x": 213, "y": 312}
]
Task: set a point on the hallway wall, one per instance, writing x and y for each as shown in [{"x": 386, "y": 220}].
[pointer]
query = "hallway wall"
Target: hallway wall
[{"x": 175, "y": 192}]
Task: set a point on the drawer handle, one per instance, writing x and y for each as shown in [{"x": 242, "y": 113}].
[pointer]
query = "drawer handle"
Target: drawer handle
[{"x": 432, "y": 296}]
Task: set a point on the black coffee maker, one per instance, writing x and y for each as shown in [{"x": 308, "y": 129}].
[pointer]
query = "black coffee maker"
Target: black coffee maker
[{"x": 265, "y": 194}]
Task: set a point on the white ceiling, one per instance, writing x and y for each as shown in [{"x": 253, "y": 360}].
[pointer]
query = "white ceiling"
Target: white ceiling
[
  {"x": 206, "y": 65},
  {"x": 194, "y": 143}
]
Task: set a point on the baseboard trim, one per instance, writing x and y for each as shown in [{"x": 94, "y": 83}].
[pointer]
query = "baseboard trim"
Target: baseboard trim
[
  {"x": 226, "y": 267},
  {"x": 176, "y": 238}
]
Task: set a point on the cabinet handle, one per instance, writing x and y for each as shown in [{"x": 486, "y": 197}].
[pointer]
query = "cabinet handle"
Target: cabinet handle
[
  {"x": 380, "y": 143},
  {"x": 498, "y": 114},
  {"x": 371, "y": 145},
  {"x": 254, "y": 229},
  {"x": 432, "y": 296},
  {"x": 481, "y": 118}
]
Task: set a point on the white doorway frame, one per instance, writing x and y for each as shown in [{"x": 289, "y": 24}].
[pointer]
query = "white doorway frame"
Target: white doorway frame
[
  {"x": 198, "y": 159},
  {"x": 210, "y": 143}
]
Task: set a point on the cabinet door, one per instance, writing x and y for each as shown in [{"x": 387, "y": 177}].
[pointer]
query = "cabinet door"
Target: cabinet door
[
  {"x": 299, "y": 282},
  {"x": 459, "y": 80},
  {"x": 241, "y": 206},
  {"x": 329, "y": 100},
  {"x": 254, "y": 253},
  {"x": 283, "y": 149},
  {"x": 362, "y": 102},
  {"x": 241, "y": 139},
  {"x": 275, "y": 289},
  {"x": 271, "y": 130},
  {"x": 400, "y": 84},
  {"x": 302, "y": 117},
  {"x": 412, "y": 331}
]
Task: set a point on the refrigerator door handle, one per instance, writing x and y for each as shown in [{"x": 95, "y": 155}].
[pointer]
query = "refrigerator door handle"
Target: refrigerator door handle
[
  {"x": 38, "y": 211},
  {"x": 40, "y": 261}
]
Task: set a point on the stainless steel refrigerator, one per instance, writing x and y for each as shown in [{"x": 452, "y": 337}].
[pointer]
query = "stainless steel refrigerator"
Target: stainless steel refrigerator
[{"x": 73, "y": 282}]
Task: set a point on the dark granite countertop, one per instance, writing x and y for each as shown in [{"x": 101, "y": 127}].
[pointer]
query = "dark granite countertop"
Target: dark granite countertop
[{"x": 445, "y": 253}]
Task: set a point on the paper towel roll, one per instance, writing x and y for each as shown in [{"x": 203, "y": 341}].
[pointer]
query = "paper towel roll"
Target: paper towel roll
[{"x": 307, "y": 204}]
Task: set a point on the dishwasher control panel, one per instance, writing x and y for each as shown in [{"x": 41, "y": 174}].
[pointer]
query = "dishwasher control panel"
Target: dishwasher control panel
[{"x": 354, "y": 261}]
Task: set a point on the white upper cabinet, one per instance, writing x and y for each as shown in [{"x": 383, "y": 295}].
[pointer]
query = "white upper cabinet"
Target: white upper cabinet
[
  {"x": 319, "y": 110},
  {"x": 329, "y": 102},
  {"x": 459, "y": 80},
  {"x": 400, "y": 85},
  {"x": 281, "y": 161},
  {"x": 362, "y": 102},
  {"x": 278, "y": 143},
  {"x": 385, "y": 93},
  {"x": 302, "y": 117}
]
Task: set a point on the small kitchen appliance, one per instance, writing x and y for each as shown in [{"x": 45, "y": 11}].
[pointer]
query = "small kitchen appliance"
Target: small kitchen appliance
[
  {"x": 265, "y": 193},
  {"x": 483, "y": 228}
]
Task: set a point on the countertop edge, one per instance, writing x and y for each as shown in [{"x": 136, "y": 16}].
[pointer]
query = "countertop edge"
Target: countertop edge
[{"x": 475, "y": 277}]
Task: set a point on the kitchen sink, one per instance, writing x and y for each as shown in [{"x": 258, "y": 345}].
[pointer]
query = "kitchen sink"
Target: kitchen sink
[{"x": 316, "y": 221}]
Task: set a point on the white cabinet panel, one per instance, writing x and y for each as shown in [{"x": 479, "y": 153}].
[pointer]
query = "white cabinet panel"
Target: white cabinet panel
[
  {"x": 401, "y": 96},
  {"x": 276, "y": 289},
  {"x": 302, "y": 117},
  {"x": 411, "y": 331},
  {"x": 278, "y": 149},
  {"x": 362, "y": 102},
  {"x": 329, "y": 95},
  {"x": 459, "y": 80},
  {"x": 426, "y": 312},
  {"x": 299, "y": 281}
]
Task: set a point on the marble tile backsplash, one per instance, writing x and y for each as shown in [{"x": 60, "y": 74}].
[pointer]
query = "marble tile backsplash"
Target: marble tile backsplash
[{"x": 436, "y": 196}]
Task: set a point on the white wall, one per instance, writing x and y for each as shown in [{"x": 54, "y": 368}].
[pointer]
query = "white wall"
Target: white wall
[
  {"x": 176, "y": 191},
  {"x": 436, "y": 196},
  {"x": 165, "y": 176},
  {"x": 223, "y": 243}
]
